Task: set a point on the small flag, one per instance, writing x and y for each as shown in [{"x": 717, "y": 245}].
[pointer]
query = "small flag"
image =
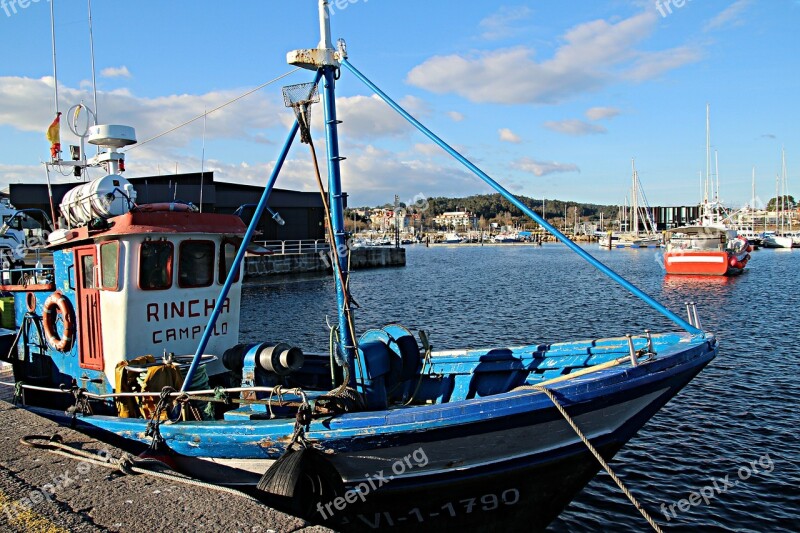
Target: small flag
[{"x": 54, "y": 136}]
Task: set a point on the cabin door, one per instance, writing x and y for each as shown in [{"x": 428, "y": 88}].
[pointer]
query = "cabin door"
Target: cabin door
[{"x": 90, "y": 348}]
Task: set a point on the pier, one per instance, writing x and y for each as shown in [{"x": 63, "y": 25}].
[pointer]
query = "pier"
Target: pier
[{"x": 318, "y": 260}]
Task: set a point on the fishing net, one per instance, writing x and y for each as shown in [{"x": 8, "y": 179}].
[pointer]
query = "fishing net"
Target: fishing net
[{"x": 300, "y": 97}]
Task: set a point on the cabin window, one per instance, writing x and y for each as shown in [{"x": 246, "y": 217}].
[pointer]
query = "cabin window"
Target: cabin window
[
  {"x": 87, "y": 272},
  {"x": 196, "y": 264},
  {"x": 155, "y": 265},
  {"x": 226, "y": 257},
  {"x": 109, "y": 264}
]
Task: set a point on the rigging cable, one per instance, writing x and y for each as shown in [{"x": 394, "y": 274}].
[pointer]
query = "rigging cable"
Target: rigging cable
[{"x": 198, "y": 117}]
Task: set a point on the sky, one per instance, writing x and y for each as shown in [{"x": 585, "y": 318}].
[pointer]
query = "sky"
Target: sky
[{"x": 552, "y": 98}]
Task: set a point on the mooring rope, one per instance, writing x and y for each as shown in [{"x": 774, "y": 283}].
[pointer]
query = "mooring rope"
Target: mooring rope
[
  {"x": 599, "y": 458},
  {"x": 126, "y": 464}
]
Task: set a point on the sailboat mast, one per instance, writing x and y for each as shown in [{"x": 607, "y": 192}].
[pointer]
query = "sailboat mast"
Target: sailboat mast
[
  {"x": 716, "y": 171},
  {"x": 708, "y": 152},
  {"x": 785, "y": 199},
  {"x": 634, "y": 201}
]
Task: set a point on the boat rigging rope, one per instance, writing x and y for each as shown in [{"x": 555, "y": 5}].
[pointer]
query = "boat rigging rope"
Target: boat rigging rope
[
  {"x": 127, "y": 463},
  {"x": 335, "y": 254},
  {"x": 599, "y": 458},
  {"x": 198, "y": 117}
]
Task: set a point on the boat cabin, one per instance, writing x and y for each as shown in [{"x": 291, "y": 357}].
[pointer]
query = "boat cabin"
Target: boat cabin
[
  {"x": 142, "y": 282},
  {"x": 699, "y": 238}
]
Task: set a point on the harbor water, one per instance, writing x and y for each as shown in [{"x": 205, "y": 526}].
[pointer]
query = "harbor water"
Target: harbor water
[{"x": 723, "y": 455}]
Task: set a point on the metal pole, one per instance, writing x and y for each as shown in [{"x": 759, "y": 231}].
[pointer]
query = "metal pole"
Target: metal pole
[
  {"x": 53, "y": 37},
  {"x": 522, "y": 207},
  {"x": 237, "y": 261},
  {"x": 346, "y": 340},
  {"x": 94, "y": 78}
]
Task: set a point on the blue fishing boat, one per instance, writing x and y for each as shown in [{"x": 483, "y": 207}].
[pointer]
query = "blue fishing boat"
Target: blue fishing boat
[{"x": 382, "y": 432}]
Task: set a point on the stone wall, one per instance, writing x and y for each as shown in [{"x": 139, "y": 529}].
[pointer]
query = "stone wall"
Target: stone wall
[{"x": 282, "y": 264}]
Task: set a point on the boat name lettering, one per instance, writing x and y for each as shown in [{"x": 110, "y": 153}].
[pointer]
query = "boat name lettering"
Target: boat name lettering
[
  {"x": 157, "y": 312},
  {"x": 179, "y": 334}
]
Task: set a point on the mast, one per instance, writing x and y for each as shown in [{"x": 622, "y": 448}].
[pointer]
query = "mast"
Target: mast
[
  {"x": 784, "y": 199},
  {"x": 634, "y": 202},
  {"x": 326, "y": 61},
  {"x": 708, "y": 153},
  {"x": 716, "y": 171}
]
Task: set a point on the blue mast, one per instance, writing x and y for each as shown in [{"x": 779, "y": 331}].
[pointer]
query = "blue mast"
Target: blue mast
[{"x": 325, "y": 60}]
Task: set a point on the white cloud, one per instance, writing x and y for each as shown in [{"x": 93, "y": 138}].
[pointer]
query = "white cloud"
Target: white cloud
[
  {"x": 116, "y": 72},
  {"x": 601, "y": 113},
  {"x": 367, "y": 117},
  {"x": 542, "y": 168},
  {"x": 591, "y": 56},
  {"x": 653, "y": 64},
  {"x": 427, "y": 149},
  {"x": 728, "y": 16},
  {"x": 504, "y": 22},
  {"x": 455, "y": 116},
  {"x": 574, "y": 127},
  {"x": 150, "y": 116},
  {"x": 506, "y": 135}
]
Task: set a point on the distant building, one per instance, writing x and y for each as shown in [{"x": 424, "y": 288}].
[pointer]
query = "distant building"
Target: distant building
[
  {"x": 456, "y": 220},
  {"x": 383, "y": 219},
  {"x": 672, "y": 217},
  {"x": 302, "y": 211}
]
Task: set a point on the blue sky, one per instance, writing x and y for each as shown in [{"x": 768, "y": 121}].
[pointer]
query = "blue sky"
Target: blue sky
[{"x": 551, "y": 98}]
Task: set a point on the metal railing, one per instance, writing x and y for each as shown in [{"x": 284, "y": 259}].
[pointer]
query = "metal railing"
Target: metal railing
[{"x": 299, "y": 246}]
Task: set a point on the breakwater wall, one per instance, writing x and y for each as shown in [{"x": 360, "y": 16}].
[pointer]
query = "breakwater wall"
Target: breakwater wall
[{"x": 282, "y": 264}]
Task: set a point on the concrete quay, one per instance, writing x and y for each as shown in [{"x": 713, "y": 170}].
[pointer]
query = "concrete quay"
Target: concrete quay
[
  {"x": 360, "y": 258},
  {"x": 46, "y": 493}
]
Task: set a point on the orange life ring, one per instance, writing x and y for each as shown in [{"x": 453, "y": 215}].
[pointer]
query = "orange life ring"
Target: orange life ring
[{"x": 55, "y": 304}]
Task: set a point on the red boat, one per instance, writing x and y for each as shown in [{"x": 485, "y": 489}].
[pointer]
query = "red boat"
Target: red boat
[{"x": 705, "y": 251}]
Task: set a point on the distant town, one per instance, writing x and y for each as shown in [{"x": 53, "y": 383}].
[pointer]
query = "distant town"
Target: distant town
[{"x": 491, "y": 213}]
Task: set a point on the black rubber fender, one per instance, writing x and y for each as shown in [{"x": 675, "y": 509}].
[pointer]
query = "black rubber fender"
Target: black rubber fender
[{"x": 299, "y": 480}]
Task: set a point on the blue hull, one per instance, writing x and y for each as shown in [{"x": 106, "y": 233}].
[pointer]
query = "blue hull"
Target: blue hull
[{"x": 485, "y": 459}]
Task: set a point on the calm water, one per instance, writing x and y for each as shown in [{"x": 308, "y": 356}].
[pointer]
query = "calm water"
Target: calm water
[{"x": 739, "y": 418}]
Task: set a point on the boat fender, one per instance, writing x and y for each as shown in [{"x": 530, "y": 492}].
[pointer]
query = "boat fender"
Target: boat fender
[
  {"x": 299, "y": 480},
  {"x": 57, "y": 304}
]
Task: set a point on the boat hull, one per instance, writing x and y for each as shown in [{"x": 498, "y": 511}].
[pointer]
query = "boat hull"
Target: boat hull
[
  {"x": 473, "y": 463},
  {"x": 705, "y": 262},
  {"x": 778, "y": 241}
]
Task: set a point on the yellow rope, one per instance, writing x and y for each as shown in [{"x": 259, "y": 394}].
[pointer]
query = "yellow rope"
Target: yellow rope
[{"x": 599, "y": 458}]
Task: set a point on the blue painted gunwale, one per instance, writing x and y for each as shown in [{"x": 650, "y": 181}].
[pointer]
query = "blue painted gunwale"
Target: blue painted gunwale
[{"x": 417, "y": 424}]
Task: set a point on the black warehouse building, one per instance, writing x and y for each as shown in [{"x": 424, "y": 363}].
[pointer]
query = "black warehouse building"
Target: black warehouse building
[{"x": 302, "y": 211}]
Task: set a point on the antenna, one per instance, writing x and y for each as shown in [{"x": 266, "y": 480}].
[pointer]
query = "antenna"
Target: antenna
[
  {"x": 53, "y": 37},
  {"x": 202, "y": 162},
  {"x": 94, "y": 78}
]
